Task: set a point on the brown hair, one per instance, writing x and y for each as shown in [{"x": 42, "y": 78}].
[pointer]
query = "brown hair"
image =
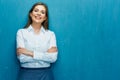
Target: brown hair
[{"x": 45, "y": 23}]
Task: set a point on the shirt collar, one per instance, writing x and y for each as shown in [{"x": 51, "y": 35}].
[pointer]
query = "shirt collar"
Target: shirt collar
[{"x": 30, "y": 28}]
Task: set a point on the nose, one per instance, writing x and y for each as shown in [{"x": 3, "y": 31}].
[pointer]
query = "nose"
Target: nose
[{"x": 39, "y": 14}]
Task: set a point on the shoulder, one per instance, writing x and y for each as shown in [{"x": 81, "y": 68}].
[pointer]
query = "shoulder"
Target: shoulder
[
  {"x": 49, "y": 32},
  {"x": 21, "y": 30}
]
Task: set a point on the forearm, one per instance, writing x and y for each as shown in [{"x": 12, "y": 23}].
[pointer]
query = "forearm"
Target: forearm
[
  {"x": 49, "y": 56},
  {"x": 23, "y": 58},
  {"x": 45, "y": 56},
  {"x": 28, "y": 53},
  {"x": 25, "y": 52}
]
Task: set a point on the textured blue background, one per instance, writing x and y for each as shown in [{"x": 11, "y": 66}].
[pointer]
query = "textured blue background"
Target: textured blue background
[{"x": 88, "y": 37}]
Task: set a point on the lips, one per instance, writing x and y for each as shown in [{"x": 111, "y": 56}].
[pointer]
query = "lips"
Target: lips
[{"x": 38, "y": 17}]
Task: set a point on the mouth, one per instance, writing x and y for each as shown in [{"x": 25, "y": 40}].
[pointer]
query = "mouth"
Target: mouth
[{"x": 38, "y": 17}]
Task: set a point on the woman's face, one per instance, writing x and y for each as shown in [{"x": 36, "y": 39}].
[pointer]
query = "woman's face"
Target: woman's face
[{"x": 38, "y": 15}]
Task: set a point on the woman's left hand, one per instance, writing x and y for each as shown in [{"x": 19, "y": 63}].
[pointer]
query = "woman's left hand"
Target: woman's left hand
[{"x": 51, "y": 50}]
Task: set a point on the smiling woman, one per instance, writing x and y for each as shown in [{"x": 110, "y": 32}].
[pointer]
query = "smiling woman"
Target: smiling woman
[
  {"x": 36, "y": 46},
  {"x": 38, "y": 14}
]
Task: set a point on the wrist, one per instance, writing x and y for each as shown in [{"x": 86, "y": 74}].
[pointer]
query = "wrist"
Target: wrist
[{"x": 30, "y": 53}]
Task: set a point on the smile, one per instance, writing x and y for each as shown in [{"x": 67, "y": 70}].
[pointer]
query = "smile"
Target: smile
[{"x": 38, "y": 17}]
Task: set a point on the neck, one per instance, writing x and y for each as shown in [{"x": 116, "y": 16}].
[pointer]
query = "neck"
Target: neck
[{"x": 36, "y": 27}]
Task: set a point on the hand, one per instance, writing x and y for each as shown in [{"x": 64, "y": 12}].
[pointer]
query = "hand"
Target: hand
[
  {"x": 21, "y": 50},
  {"x": 51, "y": 50},
  {"x": 24, "y": 51}
]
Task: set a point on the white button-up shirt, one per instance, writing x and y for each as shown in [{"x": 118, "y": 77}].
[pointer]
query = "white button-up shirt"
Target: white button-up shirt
[{"x": 39, "y": 44}]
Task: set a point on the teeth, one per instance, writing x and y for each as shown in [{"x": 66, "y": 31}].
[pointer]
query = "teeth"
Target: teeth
[{"x": 37, "y": 17}]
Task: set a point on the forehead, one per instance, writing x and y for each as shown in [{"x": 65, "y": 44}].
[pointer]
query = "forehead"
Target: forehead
[{"x": 40, "y": 7}]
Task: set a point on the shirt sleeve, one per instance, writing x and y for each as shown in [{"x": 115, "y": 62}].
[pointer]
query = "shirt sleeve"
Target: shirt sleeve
[
  {"x": 20, "y": 43},
  {"x": 45, "y": 56}
]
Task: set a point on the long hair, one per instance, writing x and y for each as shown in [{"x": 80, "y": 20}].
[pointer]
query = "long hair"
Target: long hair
[{"x": 44, "y": 23}]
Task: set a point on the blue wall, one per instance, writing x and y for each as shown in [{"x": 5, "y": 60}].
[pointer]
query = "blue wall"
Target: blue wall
[{"x": 88, "y": 37}]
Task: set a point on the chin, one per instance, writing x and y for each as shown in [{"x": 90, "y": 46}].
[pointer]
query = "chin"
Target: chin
[{"x": 38, "y": 21}]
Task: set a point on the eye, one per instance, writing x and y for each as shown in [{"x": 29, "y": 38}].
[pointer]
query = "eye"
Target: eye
[
  {"x": 43, "y": 12},
  {"x": 35, "y": 10}
]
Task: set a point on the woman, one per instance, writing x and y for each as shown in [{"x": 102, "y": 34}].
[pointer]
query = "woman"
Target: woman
[{"x": 36, "y": 46}]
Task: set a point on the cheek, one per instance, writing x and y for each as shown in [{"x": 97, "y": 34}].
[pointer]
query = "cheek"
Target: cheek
[
  {"x": 44, "y": 17},
  {"x": 31, "y": 15}
]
